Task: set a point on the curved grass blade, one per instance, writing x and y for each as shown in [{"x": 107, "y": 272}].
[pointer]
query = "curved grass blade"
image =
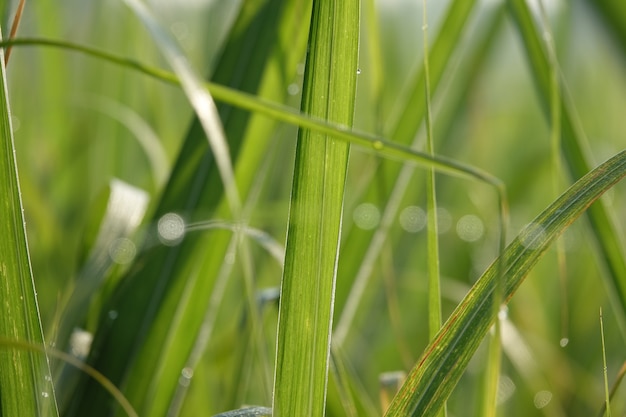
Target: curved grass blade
[
  {"x": 25, "y": 380},
  {"x": 308, "y": 283},
  {"x": 576, "y": 155},
  {"x": 377, "y": 144},
  {"x": 77, "y": 363},
  {"x": 438, "y": 370}
]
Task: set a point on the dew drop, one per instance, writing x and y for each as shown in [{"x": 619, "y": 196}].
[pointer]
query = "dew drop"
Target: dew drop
[
  {"x": 564, "y": 342},
  {"x": 122, "y": 251},
  {"x": 506, "y": 388},
  {"x": 412, "y": 219},
  {"x": 45, "y": 394},
  {"x": 358, "y": 71},
  {"x": 470, "y": 228},
  {"x": 444, "y": 220},
  {"x": 378, "y": 145},
  {"x": 113, "y": 314},
  {"x": 185, "y": 377},
  {"x": 533, "y": 236},
  {"x": 187, "y": 372},
  {"x": 366, "y": 216},
  {"x": 542, "y": 398},
  {"x": 293, "y": 89},
  {"x": 171, "y": 229},
  {"x": 503, "y": 314}
]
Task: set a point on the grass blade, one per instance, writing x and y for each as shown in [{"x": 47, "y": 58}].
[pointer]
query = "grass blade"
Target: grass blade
[
  {"x": 445, "y": 359},
  {"x": 161, "y": 304},
  {"x": 307, "y": 288},
  {"x": 24, "y": 375}
]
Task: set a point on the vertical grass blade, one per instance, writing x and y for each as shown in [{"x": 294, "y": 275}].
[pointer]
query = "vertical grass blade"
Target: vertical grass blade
[
  {"x": 25, "y": 380},
  {"x": 308, "y": 284},
  {"x": 438, "y": 370}
]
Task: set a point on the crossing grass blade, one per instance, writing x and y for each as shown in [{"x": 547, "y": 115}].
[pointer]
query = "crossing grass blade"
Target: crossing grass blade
[
  {"x": 24, "y": 375},
  {"x": 438, "y": 370},
  {"x": 308, "y": 283},
  {"x": 575, "y": 151}
]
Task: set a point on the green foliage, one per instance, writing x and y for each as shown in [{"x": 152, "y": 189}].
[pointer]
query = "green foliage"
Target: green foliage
[{"x": 175, "y": 276}]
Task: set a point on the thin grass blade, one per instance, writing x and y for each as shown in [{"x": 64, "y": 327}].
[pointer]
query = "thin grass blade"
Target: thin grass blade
[
  {"x": 433, "y": 378},
  {"x": 308, "y": 284}
]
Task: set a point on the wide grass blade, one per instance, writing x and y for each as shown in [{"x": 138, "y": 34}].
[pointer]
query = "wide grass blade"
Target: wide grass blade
[
  {"x": 445, "y": 359},
  {"x": 308, "y": 284},
  {"x": 24, "y": 375},
  {"x": 577, "y": 158},
  {"x": 148, "y": 329}
]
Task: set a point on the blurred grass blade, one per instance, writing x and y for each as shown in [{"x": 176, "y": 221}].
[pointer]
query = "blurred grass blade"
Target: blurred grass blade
[
  {"x": 110, "y": 238},
  {"x": 24, "y": 375},
  {"x": 402, "y": 129},
  {"x": 576, "y": 155},
  {"x": 200, "y": 100},
  {"x": 149, "y": 342},
  {"x": 437, "y": 372},
  {"x": 607, "y": 399},
  {"x": 307, "y": 288},
  {"x": 146, "y": 137},
  {"x": 613, "y": 13}
]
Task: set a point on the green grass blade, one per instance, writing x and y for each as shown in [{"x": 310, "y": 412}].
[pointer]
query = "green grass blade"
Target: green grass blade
[
  {"x": 576, "y": 155},
  {"x": 161, "y": 304},
  {"x": 307, "y": 288},
  {"x": 445, "y": 359},
  {"x": 607, "y": 395},
  {"x": 25, "y": 380},
  {"x": 434, "y": 290},
  {"x": 377, "y": 144}
]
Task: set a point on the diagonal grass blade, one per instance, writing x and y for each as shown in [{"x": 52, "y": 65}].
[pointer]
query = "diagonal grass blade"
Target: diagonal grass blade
[{"x": 445, "y": 359}]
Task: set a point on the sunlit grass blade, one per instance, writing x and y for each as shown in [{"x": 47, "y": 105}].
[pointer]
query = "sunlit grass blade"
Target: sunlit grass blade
[
  {"x": 308, "y": 283},
  {"x": 24, "y": 375},
  {"x": 443, "y": 362},
  {"x": 576, "y": 155}
]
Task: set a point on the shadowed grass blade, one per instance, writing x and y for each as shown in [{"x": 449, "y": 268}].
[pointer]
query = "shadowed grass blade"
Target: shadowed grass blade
[
  {"x": 438, "y": 370},
  {"x": 25, "y": 381},
  {"x": 307, "y": 288}
]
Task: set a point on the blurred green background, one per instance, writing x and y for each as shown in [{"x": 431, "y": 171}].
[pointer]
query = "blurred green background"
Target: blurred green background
[{"x": 73, "y": 116}]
